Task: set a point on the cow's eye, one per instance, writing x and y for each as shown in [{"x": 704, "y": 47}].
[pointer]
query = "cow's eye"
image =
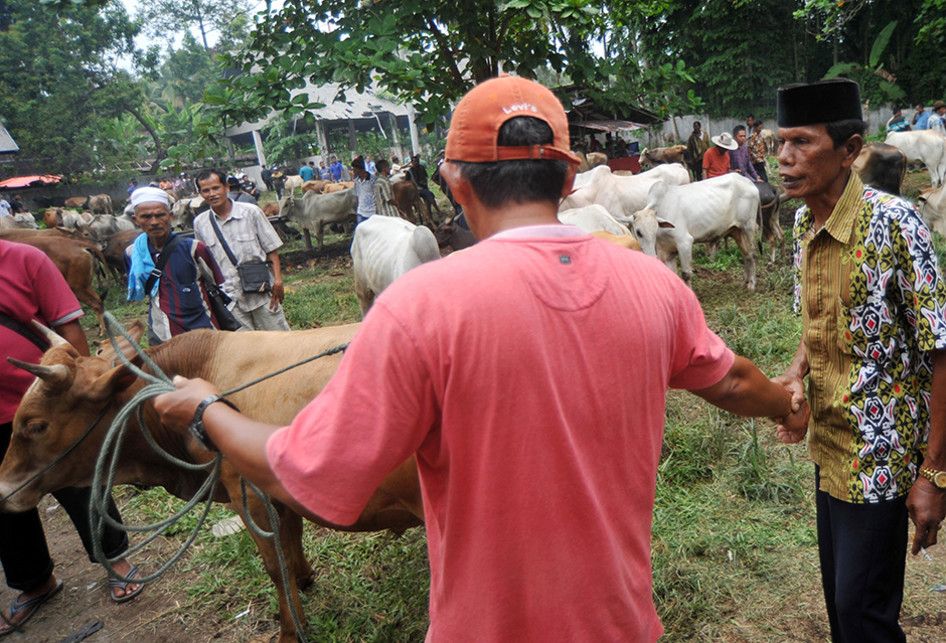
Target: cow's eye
[{"x": 36, "y": 427}]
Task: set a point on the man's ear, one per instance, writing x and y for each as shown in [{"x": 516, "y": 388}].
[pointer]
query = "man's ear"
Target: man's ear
[
  {"x": 459, "y": 186},
  {"x": 569, "y": 180},
  {"x": 852, "y": 149}
]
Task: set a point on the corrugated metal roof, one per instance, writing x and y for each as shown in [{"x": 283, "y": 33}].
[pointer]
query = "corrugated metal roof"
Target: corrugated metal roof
[
  {"x": 607, "y": 126},
  {"x": 356, "y": 105},
  {"x": 7, "y": 144}
]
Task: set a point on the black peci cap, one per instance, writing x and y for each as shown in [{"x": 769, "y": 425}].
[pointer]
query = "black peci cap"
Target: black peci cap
[{"x": 826, "y": 101}]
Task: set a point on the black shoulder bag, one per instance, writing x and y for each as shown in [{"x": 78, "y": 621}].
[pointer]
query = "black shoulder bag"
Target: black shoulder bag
[
  {"x": 25, "y": 331},
  {"x": 254, "y": 274}
]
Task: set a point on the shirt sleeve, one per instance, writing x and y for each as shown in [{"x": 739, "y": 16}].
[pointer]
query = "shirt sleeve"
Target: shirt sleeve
[
  {"x": 920, "y": 282},
  {"x": 700, "y": 358},
  {"x": 372, "y": 415},
  {"x": 55, "y": 302},
  {"x": 268, "y": 239}
]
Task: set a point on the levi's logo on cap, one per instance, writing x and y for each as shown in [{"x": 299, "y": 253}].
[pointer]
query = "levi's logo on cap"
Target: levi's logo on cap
[
  {"x": 474, "y": 128},
  {"x": 521, "y": 107}
]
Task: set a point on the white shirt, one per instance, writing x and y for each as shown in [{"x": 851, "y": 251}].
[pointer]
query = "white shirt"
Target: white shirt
[{"x": 364, "y": 190}]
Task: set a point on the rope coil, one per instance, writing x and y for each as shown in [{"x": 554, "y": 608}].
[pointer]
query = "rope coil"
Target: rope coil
[{"x": 106, "y": 466}]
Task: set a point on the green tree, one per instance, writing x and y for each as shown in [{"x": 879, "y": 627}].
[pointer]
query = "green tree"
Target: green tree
[
  {"x": 425, "y": 53},
  {"x": 58, "y": 66},
  {"x": 207, "y": 16}
]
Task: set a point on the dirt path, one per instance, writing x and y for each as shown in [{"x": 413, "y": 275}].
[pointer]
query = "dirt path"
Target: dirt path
[{"x": 163, "y": 612}]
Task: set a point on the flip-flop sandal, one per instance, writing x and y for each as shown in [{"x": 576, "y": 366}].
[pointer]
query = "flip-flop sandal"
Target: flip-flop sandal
[
  {"x": 116, "y": 583},
  {"x": 27, "y": 608}
]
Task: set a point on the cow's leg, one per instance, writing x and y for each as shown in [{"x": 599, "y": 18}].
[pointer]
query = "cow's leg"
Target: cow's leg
[
  {"x": 267, "y": 550},
  {"x": 299, "y": 566},
  {"x": 685, "y": 254},
  {"x": 320, "y": 236},
  {"x": 745, "y": 240},
  {"x": 308, "y": 239}
]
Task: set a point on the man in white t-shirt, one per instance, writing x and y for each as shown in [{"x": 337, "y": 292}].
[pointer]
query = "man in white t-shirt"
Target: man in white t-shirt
[{"x": 364, "y": 190}]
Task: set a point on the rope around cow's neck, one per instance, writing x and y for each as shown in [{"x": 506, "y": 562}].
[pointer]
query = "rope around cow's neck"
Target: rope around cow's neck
[{"x": 106, "y": 467}]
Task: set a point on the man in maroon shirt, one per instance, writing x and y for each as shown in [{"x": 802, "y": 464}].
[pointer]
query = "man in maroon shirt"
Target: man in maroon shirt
[{"x": 31, "y": 288}]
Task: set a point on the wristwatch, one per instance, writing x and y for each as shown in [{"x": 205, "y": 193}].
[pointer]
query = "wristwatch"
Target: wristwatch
[
  {"x": 938, "y": 478},
  {"x": 197, "y": 428}
]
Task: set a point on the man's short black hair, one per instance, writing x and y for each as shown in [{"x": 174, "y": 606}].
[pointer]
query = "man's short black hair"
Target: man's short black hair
[
  {"x": 203, "y": 175},
  {"x": 358, "y": 163},
  {"x": 523, "y": 181},
  {"x": 841, "y": 131},
  {"x": 750, "y": 116},
  {"x": 381, "y": 165},
  {"x": 695, "y": 123},
  {"x": 312, "y": 163},
  {"x": 738, "y": 128}
]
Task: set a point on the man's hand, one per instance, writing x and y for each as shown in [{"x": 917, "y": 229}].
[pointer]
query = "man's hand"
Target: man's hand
[
  {"x": 795, "y": 386},
  {"x": 278, "y": 295},
  {"x": 177, "y": 408},
  {"x": 927, "y": 507},
  {"x": 792, "y": 428}
]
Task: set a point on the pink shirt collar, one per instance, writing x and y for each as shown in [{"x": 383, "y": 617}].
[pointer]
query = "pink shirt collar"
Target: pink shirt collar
[{"x": 540, "y": 232}]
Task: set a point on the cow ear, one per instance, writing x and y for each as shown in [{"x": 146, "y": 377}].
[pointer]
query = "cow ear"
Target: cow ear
[
  {"x": 110, "y": 382},
  {"x": 663, "y": 223}
]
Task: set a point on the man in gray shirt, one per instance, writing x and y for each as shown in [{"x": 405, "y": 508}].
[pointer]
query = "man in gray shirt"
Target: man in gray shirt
[{"x": 249, "y": 236}]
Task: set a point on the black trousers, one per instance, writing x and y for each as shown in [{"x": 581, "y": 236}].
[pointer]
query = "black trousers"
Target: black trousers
[
  {"x": 863, "y": 549},
  {"x": 23, "y": 550}
]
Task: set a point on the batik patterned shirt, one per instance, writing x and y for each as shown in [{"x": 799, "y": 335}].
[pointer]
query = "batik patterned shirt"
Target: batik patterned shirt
[{"x": 872, "y": 301}]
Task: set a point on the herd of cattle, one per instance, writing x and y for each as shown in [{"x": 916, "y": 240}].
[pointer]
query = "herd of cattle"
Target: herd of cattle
[{"x": 660, "y": 212}]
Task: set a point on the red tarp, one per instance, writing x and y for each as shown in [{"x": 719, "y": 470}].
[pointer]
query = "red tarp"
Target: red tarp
[{"x": 29, "y": 181}]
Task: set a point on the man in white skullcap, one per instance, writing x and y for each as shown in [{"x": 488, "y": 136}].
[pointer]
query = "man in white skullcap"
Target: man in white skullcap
[{"x": 172, "y": 271}]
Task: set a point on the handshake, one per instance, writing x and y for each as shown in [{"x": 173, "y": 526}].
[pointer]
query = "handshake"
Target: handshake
[{"x": 792, "y": 428}]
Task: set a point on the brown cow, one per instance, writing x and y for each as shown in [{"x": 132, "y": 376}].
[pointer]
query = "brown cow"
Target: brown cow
[
  {"x": 882, "y": 166},
  {"x": 76, "y": 259},
  {"x": 115, "y": 249},
  {"x": 100, "y": 204},
  {"x": 411, "y": 205},
  {"x": 52, "y": 217},
  {"x": 660, "y": 155},
  {"x": 338, "y": 187},
  {"x": 76, "y": 202},
  {"x": 590, "y": 160},
  {"x": 73, "y": 391},
  {"x": 316, "y": 185}
]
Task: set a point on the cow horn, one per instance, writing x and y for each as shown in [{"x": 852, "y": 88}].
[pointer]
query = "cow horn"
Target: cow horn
[
  {"x": 56, "y": 376},
  {"x": 55, "y": 339}
]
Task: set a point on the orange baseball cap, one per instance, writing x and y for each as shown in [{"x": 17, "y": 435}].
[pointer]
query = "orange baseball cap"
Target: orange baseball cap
[{"x": 474, "y": 128}]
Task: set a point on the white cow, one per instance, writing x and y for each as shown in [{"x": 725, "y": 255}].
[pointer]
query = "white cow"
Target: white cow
[
  {"x": 932, "y": 206},
  {"x": 594, "y": 218},
  {"x": 292, "y": 182},
  {"x": 622, "y": 196},
  {"x": 315, "y": 211},
  {"x": 923, "y": 145},
  {"x": 104, "y": 226},
  {"x": 383, "y": 249},
  {"x": 76, "y": 220},
  {"x": 676, "y": 216},
  {"x": 20, "y": 221}
]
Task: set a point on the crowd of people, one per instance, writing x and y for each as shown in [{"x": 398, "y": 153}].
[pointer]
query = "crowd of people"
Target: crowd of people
[
  {"x": 933, "y": 119},
  {"x": 873, "y": 410}
]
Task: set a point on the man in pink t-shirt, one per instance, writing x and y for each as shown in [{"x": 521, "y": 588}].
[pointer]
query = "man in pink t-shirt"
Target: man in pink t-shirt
[
  {"x": 528, "y": 375},
  {"x": 31, "y": 288}
]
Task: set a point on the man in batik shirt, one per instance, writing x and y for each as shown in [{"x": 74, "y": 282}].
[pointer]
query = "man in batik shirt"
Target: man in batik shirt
[
  {"x": 872, "y": 301},
  {"x": 758, "y": 150}
]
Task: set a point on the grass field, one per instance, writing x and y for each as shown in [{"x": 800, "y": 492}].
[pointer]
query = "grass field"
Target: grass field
[{"x": 734, "y": 549}]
